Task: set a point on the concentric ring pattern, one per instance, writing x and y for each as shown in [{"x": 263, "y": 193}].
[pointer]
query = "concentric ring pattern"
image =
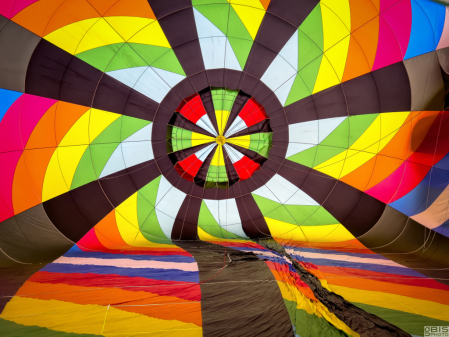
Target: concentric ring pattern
[{"x": 223, "y": 167}]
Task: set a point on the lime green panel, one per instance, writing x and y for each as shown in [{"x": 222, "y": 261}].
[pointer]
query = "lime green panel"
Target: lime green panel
[
  {"x": 310, "y": 72},
  {"x": 152, "y": 231},
  {"x": 12, "y": 329},
  {"x": 217, "y": 174},
  {"x": 217, "y": 14},
  {"x": 207, "y": 2},
  {"x": 149, "y": 192},
  {"x": 111, "y": 134},
  {"x": 236, "y": 27},
  {"x": 307, "y": 51},
  {"x": 311, "y": 215},
  {"x": 261, "y": 143},
  {"x": 411, "y": 323},
  {"x": 223, "y": 99},
  {"x": 273, "y": 210},
  {"x": 298, "y": 91},
  {"x": 169, "y": 62},
  {"x": 207, "y": 223},
  {"x": 126, "y": 57},
  {"x": 101, "y": 56},
  {"x": 312, "y": 27},
  {"x": 149, "y": 53},
  {"x": 85, "y": 172},
  {"x": 181, "y": 139},
  {"x": 241, "y": 49},
  {"x": 306, "y": 157},
  {"x": 100, "y": 155},
  {"x": 131, "y": 125}
]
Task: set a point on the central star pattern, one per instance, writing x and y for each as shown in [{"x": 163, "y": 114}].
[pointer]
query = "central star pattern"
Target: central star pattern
[{"x": 219, "y": 147}]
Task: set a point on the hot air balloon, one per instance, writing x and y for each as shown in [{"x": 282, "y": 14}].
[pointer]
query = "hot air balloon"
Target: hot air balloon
[{"x": 224, "y": 168}]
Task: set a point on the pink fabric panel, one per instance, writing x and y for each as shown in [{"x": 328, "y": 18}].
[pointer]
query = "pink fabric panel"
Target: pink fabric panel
[
  {"x": 388, "y": 50},
  {"x": 444, "y": 40},
  {"x": 7, "y": 168},
  {"x": 399, "y": 17}
]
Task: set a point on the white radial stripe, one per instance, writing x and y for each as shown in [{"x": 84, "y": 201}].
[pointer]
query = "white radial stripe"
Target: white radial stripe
[
  {"x": 227, "y": 215},
  {"x": 237, "y": 125},
  {"x": 128, "y": 263},
  {"x": 134, "y": 150},
  {"x": 279, "y": 189},
  {"x": 284, "y": 66},
  {"x": 234, "y": 155},
  {"x": 203, "y": 153},
  {"x": 168, "y": 202},
  {"x": 204, "y": 27},
  {"x": 310, "y": 133},
  {"x": 206, "y": 124}
]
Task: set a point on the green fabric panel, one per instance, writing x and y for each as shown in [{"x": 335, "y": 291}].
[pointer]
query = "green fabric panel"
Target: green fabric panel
[
  {"x": 298, "y": 91},
  {"x": 217, "y": 174},
  {"x": 223, "y": 99},
  {"x": 131, "y": 125},
  {"x": 111, "y": 134},
  {"x": 310, "y": 72},
  {"x": 146, "y": 214},
  {"x": 312, "y": 27},
  {"x": 207, "y": 223},
  {"x": 311, "y": 215},
  {"x": 241, "y": 49},
  {"x": 236, "y": 27},
  {"x": 207, "y": 2},
  {"x": 411, "y": 323},
  {"x": 217, "y": 14},
  {"x": 306, "y": 157},
  {"x": 85, "y": 172},
  {"x": 310, "y": 325},
  {"x": 181, "y": 139},
  {"x": 308, "y": 50},
  {"x": 126, "y": 57},
  {"x": 149, "y": 53},
  {"x": 101, "y": 56},
  {"x": 169, "y": 62},
  {"x": 273, "y": 210},
  {"x": 12, "y": 329},
  {"x": 100, "y": 155},
  {"x": 261, "y": 143}
]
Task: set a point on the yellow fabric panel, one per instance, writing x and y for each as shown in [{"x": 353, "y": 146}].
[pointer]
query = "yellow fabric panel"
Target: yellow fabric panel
[
  {"x": 395, "y": 302},
  {"x": 69, "y": 158},
  {"x": 291, "y": 293},
  {"x": 242, "y": 141},
  {"x": 334, "y": 28},
  {"x": 251, "y": 3},
  {"x": 152, "y": 35},
  {"x": 251, "y": 17},
  {"x": 337, "y": 56},
  {"x": 128, "y": 26},
  {"x": 93, "y": 319},
  {"x": 327, "y": 76},
  {"x": 371, "y": 142},
  {"x": 218, "y": 158},
  {"x": 204, "y": 236},
  {"x": 54, "y": 182},
  {"x": 341, "y": 9},
  {"x": 326, "y": 233},
  {"x": 199, "y": 139},
  {"x": 222, "y": 119},
  {"x": 68, "y": 37},
  {"x": 100, "y": 34},
  {"x": 88, "y": 127}
]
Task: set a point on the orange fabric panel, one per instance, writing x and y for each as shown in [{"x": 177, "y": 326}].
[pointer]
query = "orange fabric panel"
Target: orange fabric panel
[
  {"x": 428, "y": 294},
  {"x": 116, "y": 297},
  {"x": 70, "y": 12},
  {"x": 265, "y": 3},
  {"x": 286, "y": 278},
  {"x": 36, "y": 16},
  {"x": 108, "y": 233},
  {"x": 66, "y": 115},
  {"x": 384, "y": 167},
  {"x": 360, "y": 177},
  {"x": 362, "y": 11},
  {"x": 139, "y": 8},
  {"x": 43, "y": 134},
  {"x": 102, "y": 6},
  {"x": 23, "y": 197},
  {"x": 356, "y": 63},
  {"x": 367, "y": 36}
]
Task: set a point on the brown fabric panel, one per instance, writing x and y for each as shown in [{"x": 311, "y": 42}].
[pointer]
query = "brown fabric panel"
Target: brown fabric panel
[
  {"x": 186, "y": 223},
  {"x": 243, "y": 299},
  {"x": 426, "y": 82},
  {"x": 16, "y": 47},
  {"x": 253, "y": 222},
  {"x": 30, "y": 237},
  {"x": 410, "y": 244}
]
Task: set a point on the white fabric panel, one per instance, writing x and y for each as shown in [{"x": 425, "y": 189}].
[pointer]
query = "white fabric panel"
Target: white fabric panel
[
  {"x": 237, "y": 125},
  {"x": 151, "y": 85},
  {"x": 169, "y": 77},
  {"x": 128, "y": 76},
  {"x": 134, "y": 150},
  {"x": 284, "y": 67},
  {"x": 284, "y": 90},
  {"x": 280, "y": 190},
  {"x": 203, "y": 153},
  {"x": 206, "y": 124},
  {"x": 168, "y": 202},
  {"x": 226, "y": 213},
  {"x": 309, "y": 134},
  {"x": 204, "y": 27},
  {"x": 234, "y": 155}
]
